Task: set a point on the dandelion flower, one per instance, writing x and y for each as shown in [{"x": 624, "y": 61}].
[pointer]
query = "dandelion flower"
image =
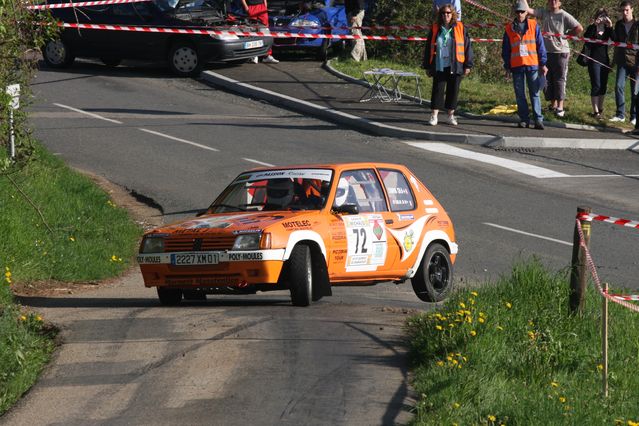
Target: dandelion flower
[
  {"x": 473, "y": 333},
  {"x": 509, "y": 305},
  {"x": 438, "y": 327},
  {"x": 23, "y": 318},
  {"x": 72, "y": 238},
  {"x": 440, "y": 363},
  {"x": 631, "y": 423},
  {"x": 554, "y": 384},
  {"x": 456, "y": 405},
  {"x": 562, "y": 399},
  {"x": 481, "y": 320},
  {"x": 38, "y": 318},
  {"x": 474, "y": 293},
  {"x": 462, "y": 305},
  {"x": 491, "y": 418},
  {"x": 599, "y": 367}
]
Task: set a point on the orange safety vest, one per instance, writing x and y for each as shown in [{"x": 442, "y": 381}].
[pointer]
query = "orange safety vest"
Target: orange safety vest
[
  {"x": 458, "y": 35},
  {"x": 525, "y": 43}
]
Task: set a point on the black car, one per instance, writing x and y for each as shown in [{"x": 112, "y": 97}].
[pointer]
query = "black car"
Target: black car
[{"x": 185, "y": 53}]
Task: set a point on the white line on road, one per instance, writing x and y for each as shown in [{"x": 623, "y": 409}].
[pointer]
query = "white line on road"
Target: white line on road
[
  {"x": 178, "y": 139},
  {"x": 250, "y": 160},
  {"x": 90, "y": 114},
  {"x": 517, "y": 231},
  {"x": 517, "y": 166},
  {"x": 601, "y": 176}
]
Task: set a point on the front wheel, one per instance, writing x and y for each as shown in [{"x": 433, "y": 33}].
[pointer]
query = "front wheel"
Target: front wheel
[
  {"x": 56, "y": 54},
  {"x": 433, "y": 281},
  {"x": 300, "y": 275},
  {"x": 169, "y": 296},
  {"x": 184, "y": 59},
  {"x": 322, "y": 53}
]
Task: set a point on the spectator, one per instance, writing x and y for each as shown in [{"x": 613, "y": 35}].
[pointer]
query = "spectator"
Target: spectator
[
  {"x": 626, "y": 59},
  {"x": 523, "y": 52},
  {"x": 258, "y": 10},
  {"x": 555, "y": 20},
  {"x": 437, "y": 4},
  {"x": 600, "y": 29},
  {"x": 355, "y": 14},
  {"x": 448, "y": 57}
]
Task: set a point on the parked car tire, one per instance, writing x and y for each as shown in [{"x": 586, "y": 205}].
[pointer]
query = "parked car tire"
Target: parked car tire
[
  {"x": 434, "y": 278},
  {"x": 322, "y": 53},
  {"x": 111, "y": 62},
  {"x": 300, "y": 275},
  {"x": 169, "y": 296},
  {"x": 193, "y": 295},
  {"x": 184, "y": 59},
  {"x": 56, "y": 54}
]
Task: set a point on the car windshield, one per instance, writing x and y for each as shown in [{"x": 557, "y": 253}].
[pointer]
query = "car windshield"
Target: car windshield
[{"x": 291, "y": 189}]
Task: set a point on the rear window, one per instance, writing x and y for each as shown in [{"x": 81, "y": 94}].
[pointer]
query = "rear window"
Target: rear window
[{"x": 399, "y": 191}]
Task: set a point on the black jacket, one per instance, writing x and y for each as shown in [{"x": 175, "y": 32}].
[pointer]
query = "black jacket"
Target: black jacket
[
  {"x": 353, "y": 6},
  {"x": 622, "y": 55},
  {"x": 455, "y": 67}
]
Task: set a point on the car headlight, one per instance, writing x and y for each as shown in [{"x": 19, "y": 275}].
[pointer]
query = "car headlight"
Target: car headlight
[
  {"x": 225, "y": 37},
  {"x": 301, "y": 22},
  {"x": 153, "y": 245},
  {"x": 247, "y": 242}
]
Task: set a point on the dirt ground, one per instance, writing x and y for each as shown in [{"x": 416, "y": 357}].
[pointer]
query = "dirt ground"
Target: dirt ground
[{"x": 147, "y": 217}]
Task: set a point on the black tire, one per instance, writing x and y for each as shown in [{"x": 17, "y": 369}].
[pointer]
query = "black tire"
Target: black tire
[
  {"x": 56, "y": 54},
  {"x": 111, "y": 62},
  {"x": 300, "y": 275},
  {"x": 193, "y": 295},
  {"x": 184, "y": 59},
  {"x": 322, "y": 53},
  {"x": 433, "y": 281},
  {"x": 169, "y": 296}
]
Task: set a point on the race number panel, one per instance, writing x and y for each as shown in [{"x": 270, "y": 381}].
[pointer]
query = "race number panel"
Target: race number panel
[{"x": 367, "y": 242}]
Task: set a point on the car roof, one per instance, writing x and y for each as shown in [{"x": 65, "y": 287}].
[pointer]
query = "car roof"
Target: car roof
[{"x": 335, "y": 166}]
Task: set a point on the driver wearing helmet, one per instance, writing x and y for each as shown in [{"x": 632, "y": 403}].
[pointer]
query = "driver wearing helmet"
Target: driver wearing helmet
[
  {"x": 279, "y": 193},
  {"x": 342, "y": 192}
]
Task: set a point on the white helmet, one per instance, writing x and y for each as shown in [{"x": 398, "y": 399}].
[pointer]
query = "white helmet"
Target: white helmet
[
  {"x": 279, "y": 192},
  {"x": 342, "y": 192}
]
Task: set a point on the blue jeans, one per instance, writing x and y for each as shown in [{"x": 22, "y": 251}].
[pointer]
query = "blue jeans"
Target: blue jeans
[
  {"x": 624, "y": 72},
  {"x": 530, "y": 78}
]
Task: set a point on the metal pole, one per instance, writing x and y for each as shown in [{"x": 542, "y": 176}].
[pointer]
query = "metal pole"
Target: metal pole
[
  {"x": 578, "y": 265},
  {"x": 12, "y": 135},
  {"x": 604, "y": 341}
]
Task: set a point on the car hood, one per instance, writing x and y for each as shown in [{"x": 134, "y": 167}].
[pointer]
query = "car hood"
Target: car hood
[{"x": 235, "y": 223}]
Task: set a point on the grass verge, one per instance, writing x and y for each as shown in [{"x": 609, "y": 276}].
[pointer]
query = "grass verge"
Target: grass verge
[
  {"x": 479, "y": 97},
  {"x": 510, "y": 353},
  {"x": 55, "y": 224}
]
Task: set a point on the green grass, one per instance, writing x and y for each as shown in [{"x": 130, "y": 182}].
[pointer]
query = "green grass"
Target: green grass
[
  {"x": 510, "y": 353},
  {"x": 479, "y": 97},
  {"x": 74, "y": 233},
  {"x": 90, "y": 237}
]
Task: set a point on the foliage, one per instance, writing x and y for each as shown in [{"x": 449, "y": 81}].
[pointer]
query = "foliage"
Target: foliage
[
  {"x": 22, "y": 32},
  {"x": 511, "y": 353}
]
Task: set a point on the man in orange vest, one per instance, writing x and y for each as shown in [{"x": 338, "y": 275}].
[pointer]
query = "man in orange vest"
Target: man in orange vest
[{"x": 524, "y": 56}]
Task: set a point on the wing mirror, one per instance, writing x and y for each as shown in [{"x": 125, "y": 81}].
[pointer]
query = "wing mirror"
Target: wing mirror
[{"x": 346, "y": 209}]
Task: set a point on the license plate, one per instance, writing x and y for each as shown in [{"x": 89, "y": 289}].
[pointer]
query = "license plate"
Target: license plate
[
  {"x": 253, "y": 44},
  {"x": 195, "y": 258}
]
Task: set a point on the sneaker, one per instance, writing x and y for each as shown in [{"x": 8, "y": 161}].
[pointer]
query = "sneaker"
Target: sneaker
[
  {"x": 522, "y": 124},
  {"x": 539, "y": 125},
  {"x": 253, "y": 60},
  {"x": 432, "y": 120},
  {"x": 452, "y": 120},
  {"x": 560, "y": 112},
  {"x": 633, "y": 121},
  {"x": 617, "y": 119},
  {"x": 270, "y": 60}
]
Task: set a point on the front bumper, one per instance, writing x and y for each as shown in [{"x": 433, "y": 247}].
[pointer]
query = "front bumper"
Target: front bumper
[{"x": 217, "y": 50}]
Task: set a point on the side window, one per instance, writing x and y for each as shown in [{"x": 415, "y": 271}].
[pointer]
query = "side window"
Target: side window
[
  {"x": 362, "y": 188},
  {"x": 398, "y": 190}
]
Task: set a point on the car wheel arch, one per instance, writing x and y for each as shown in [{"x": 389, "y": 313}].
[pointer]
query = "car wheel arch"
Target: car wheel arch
[
  {"x": 432, "y": 237},
  {"x": 296, "y": 237}
]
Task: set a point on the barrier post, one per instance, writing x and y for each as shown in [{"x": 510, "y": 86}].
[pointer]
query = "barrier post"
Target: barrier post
[
  {"x": 604, "y": 342},
  {"x": 578, "y": 264}
]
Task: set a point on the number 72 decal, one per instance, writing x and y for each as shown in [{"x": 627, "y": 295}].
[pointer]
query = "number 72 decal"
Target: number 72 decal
[{"x": 367, "y": 243}]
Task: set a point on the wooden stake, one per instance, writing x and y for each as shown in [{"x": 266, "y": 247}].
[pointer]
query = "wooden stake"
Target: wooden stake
[
  {"x": 578, "y": 267},
  {"x": 604, "y": 341}
]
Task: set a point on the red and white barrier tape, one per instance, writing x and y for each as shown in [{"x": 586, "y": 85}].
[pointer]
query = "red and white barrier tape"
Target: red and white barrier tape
[
  {"x": 609, "y": 219},
  {"x": 81, "y": 4},
  {"x": 625, "y": 297},
  {"x": 595, "y": 276}
]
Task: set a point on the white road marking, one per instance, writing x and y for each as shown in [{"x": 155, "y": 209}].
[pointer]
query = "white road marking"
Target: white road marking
[
  {"x": 600, "y": 176},
  {"x": 179, "y": 140},
  {"x": 90, "y": 114},
  {"x": 250, "y": 160},
  {"x": 516, "y": 166},
  {"x": 517, "y": 231}
]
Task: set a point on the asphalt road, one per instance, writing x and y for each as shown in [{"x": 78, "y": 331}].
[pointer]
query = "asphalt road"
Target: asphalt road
[{"x": 257, "y": 359}]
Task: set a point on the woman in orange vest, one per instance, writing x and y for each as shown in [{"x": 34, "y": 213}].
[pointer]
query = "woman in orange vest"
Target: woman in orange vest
[
  {"x": 447, "y": 58},
  {"x": 524, "y": 55}
]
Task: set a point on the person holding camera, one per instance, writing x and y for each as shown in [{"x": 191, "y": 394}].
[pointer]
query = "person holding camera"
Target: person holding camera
[{"x": 598, "y": 61}]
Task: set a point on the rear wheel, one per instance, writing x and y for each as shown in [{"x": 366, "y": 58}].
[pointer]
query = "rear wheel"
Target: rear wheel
[
  {"x": 56, "y": 54},
  {"x": 300, "y": 275},
  {"x": 433, "y": 281},
  {"x": 184, "y": 59},
  {"x": 169, "y": 296}
]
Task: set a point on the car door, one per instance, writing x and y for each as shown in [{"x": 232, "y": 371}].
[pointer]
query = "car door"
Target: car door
[
  {"x": 360, "y": 244},
  {"x": 405, "y": 222}
]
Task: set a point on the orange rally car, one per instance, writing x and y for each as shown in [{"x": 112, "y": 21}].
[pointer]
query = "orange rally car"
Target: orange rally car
[{"x": 306, "y": 228}]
